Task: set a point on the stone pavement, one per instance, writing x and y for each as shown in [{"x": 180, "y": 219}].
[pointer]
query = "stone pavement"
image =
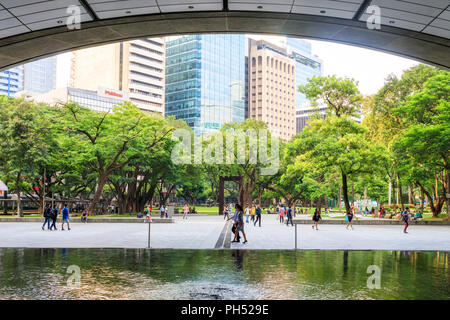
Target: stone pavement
[{"x": 208, "y": 232}]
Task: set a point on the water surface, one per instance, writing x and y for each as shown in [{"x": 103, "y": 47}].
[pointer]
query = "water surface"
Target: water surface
[{"x": 221, "y": 274}]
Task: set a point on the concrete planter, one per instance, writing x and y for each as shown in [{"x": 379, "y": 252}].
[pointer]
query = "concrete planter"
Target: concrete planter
[
  {"x": 90, "y": 220},
  {"x": 373, "y": 222}
]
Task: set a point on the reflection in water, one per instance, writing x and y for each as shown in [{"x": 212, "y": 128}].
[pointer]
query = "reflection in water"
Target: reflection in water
[
  {"x": 221, "y": 274},
  {"x": 345, "y": 262},
  {"x": 238, "y": 259}
]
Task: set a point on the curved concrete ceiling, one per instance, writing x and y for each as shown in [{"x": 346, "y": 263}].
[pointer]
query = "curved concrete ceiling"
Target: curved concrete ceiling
[{"x": 32, "y": 29}]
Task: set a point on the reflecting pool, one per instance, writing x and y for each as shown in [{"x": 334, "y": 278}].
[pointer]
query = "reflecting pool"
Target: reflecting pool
[{"x": 220, "y": 274}]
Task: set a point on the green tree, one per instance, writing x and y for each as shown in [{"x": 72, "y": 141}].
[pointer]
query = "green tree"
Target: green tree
[
  {"x": 423, "y": 149},
  {"x": 340, "y": 95},
  {"x": 337, "y": 144},
  {"x": 109, "y": 141},
  {"x": 23, "y": 147}
]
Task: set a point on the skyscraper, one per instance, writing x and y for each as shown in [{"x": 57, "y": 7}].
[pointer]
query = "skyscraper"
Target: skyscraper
[
  {"x": 205, "y": 80},
  {"x": 11, "y": 81},
  {"x": 40, "y": 75},
  {"x": 135, "y": 67},
  {"x": 306, "y": 66},
  {"x": 271, "y": 87}
]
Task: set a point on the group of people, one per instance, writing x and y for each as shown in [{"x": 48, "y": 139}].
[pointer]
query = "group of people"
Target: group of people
[
  {"x": 289, "y": 212},
  {"x": 163, "y": 211},
  {"x": 295, "y": 210},
  {"x": 51, "y": 216},
  {"x": 253, "y": 213}
]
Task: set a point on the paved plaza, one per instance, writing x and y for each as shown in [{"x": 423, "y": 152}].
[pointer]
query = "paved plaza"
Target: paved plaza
[{"x": 209, "y": 232}]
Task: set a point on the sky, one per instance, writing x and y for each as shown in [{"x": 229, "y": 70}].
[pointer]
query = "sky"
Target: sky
[{"x": 369, "y": 67}]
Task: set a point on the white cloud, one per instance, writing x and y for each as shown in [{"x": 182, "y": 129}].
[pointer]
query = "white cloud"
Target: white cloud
[{"x": 369, "y": 67}]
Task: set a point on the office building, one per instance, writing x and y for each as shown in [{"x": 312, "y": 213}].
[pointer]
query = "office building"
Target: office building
[
  {"x": 205, "y": 80},
  {"x": 11, "y": 81},
  {"x": 135, "y": 67},
  {"x": 304, "y": 114},
  {"x": 40, "y": 75},
  {"x": 101, "y": 100},
  {"x": 271, "y": 87},
  {"x": 306, "y": 66}
]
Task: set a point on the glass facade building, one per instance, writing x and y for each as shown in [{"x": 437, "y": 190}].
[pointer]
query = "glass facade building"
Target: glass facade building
[
  {"x": 11, "y": 81},
  {"x": 205, "y": 80},
  {"x": 306, "y": 66},
  {"x": 40, "y": 75}
]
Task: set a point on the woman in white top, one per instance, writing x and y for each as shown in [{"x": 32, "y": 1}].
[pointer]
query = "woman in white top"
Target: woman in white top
[{"x": 247, "y": 213}]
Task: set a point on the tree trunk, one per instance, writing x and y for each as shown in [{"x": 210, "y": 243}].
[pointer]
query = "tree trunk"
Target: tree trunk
[
  {"x": 19, "y": 204},
  {"x": 422, "y": 201},
  {"x": 19, "y": 201},
  {"x": 353, "y": 194},
  {"x": 447, "y": 193},
  {"x": 319, "y": 204},
  {"x": 340, "y": 197},
  {"x": 435, "y": 209},
  {"x": 409, "y": 195},
  {"x": 98, "y": 193},
  {"x": 400, "y": 191},
  {"x": 345, "y": 192},
  {"x": 396, "y": 190},
  {"x": 5, "y": 203},
  {"x": 390, "y": 191}
]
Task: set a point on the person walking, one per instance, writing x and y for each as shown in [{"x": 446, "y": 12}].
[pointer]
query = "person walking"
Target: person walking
[
  {"x": 185, "y": 211},
  {"x": 405, "y": 217},
  {"x": 161, "y": 209},
  {"x": 240, "y": 223},
  {"x": 258, "y": 215},
  {"x": 282, "y": 210},
  {"x": 252, "y": 213},
  {"x": 348, "y": 218},
  {"x": 289, "y": 216},
  {"x": 147, "y": 214},
  {"x": 47, "y": 216},
  {"x": 65, "y": 217},
  {"x": 225, "y": 213},
  {"x": 366, "y": 211},
  {"x": 316, "y": 218},
  {"x": 54, "y": 215},
  {"x": 234, "y": 218},
  {"x": 247, "y": 213}
]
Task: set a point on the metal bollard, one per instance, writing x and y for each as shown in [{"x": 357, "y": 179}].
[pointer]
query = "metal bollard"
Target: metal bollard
[
  {"x": 296, "y": 236},
  {"x": 149, "y": 224}
]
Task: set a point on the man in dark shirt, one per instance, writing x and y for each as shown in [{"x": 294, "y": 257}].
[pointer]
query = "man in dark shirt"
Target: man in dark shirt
[
  {"x": 47, "y": 218},
  {"x": 54, "y": 217},
  {"x": 258, "y": 215}
]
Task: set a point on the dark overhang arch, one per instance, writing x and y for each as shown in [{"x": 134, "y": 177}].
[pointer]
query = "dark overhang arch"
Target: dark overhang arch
[{"x": 34, "y": 45}]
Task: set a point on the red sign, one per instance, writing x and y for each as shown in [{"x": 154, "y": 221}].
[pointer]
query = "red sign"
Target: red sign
[{"x": 112, "y": 93}]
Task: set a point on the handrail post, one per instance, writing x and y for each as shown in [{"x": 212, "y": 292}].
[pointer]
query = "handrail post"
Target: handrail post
[
  {"x": 295, "y": 236},
  {"x": 149, "y": 223}
]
